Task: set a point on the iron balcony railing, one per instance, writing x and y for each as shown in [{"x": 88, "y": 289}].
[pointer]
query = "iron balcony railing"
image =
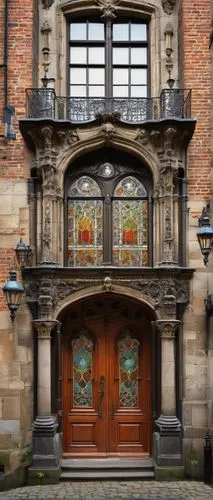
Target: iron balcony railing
[{"x": 172, "y": 103}]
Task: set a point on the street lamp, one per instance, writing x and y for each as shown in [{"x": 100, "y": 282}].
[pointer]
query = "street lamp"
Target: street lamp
[
  {"x": 13, "y": 291},
  {"x": 205, "y": 235}
]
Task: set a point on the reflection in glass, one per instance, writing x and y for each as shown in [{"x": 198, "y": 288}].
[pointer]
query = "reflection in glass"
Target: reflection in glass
[
  {"x": 120, "y": 32},
  {"x": 96, "y": 55},
  {"x": 78, "y": 90},
  {"x": 78, "y": 75},
  {"x": 96, "y": 76},
  {"x": 78, "y": 31},
  {"x": 78, "y": 55},
  {"x": 96, "y": 31},
  {"x": 139, "y": 55},
  {"x": 96, "y": 91},
  {"x": 138, "y": 91},
  {"x": 120, "y": 56},
  {"x": 119, "y": 91},
  {"x": 120, "y": 76},
  {"x": 138, "y": 32},
  {"x": 138, "y": 76}
]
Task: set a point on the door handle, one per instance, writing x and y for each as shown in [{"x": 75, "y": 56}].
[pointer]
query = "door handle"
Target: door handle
[{"x": 101, "y": 391}]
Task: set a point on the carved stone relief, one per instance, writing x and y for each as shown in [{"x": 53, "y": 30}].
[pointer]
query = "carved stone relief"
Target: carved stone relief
[
  {"x": 108, "y": 8},
  {"x": 168, "y": 6},
  {"x": 47, "y": 3}
]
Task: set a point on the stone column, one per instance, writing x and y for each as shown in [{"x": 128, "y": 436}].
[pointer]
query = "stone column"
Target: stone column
[
  {"x": 167, "y": 442},
  {"x": 46, "y": 449},
  {"x": 44, "y": 328}
]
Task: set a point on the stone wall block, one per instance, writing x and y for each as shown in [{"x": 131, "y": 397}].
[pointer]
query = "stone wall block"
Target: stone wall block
[{"x": 11, "y": 408}]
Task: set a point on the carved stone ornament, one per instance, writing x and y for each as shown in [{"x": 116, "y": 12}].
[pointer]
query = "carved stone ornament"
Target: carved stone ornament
[
  {"x": 167, "y": 328},
  {"x": 168, "y": 6},
  {"x": 47, "y": 3},
  {"x": 108, "y": 8},
  {"x": 45, "y": 27},
  {"x": 44, "y": 327},
  {"x": 107, "y": 284},
  {"x": 108, "y": 132}
]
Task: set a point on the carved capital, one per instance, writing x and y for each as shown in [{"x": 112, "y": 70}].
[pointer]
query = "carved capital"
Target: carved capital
[
  {"x": 167, "y": 328},
  {"x": 44, "y": 327},
  {"x": 168, "y": 6}
]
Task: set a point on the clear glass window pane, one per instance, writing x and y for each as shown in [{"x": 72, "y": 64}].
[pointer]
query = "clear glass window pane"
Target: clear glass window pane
[
  {"x": 78, "y": 55},
  {"x": 138, "y": 55},
  {"x": 78, "y": 90},
  {"x": 119, "y": 91},
  {"x": 96, "y": 76},
  {"x": 120, "y": 56},
  {"x": 120, "y": 76},
  {"x": 96, "y": 31},
  {"x": 138, "y": 32},
  {"x": 78, "y": 75},
  {"x": 78, "y": 31},
  {"x": 96, "y": 91},
  {"x": 139, "y": 91},
  {"x": 120, "y": 32},
  {"x": 96, "y": 55},
  {"x": 138, "y": 76}
]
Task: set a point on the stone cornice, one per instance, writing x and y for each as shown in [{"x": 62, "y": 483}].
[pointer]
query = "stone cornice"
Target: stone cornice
[{"x": 82, "y": 273}]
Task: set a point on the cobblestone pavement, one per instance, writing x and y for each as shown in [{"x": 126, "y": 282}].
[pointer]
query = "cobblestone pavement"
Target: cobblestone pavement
[{"x": 122, "y": 490}]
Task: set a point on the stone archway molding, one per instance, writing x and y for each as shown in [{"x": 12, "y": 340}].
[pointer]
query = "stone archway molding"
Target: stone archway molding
[{"x": 106, "y": 287}]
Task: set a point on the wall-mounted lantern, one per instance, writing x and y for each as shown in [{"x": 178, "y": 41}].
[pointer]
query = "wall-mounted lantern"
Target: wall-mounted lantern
[
  {"x": 13, "y": 291},
  {"x": 205, "y": 235},
  {"x": 23, "y": 253}
]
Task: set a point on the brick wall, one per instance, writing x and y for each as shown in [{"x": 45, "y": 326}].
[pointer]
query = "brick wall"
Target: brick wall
[{"x": 194, "y": 61}]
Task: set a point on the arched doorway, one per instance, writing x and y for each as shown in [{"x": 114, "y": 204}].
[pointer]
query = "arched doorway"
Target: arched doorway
[{"x": 107, "y": 378}]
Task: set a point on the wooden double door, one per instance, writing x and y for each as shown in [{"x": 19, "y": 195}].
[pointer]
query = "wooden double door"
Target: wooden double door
[{"x": 107, "y": 388}]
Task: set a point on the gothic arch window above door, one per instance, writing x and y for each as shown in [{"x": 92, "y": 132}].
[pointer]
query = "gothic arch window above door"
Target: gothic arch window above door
[
  {"x": 108, "y": 59},
  {"x": 109, "y": 218}
]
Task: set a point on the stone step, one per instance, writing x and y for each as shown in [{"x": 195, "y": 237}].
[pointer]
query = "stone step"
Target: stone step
[
  {"x": 107, "y": 468},
  {"x": 106, "y": 463},
  {"x": 109, "y": 474}
]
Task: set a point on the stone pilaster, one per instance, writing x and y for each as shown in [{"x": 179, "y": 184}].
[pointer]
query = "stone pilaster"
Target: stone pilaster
[
  {"x": 46, "y": 448},
  {"x": 167, "y": 442}
]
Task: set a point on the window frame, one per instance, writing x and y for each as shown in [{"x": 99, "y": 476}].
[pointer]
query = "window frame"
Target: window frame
[{"x": 108, "y": 43}]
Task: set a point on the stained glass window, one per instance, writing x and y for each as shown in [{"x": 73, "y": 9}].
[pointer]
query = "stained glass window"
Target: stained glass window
[
  {"x": 128, "y": 359},
  {"x": 130, "y": 224},
  {"x": 85, "y": 224},
  {"x": 82, "y": 371}
]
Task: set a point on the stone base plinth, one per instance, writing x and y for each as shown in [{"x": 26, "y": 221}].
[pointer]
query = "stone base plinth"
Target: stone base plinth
[
  {"x": 167, "y": 449},
  {"x": 46, "y": 444}
]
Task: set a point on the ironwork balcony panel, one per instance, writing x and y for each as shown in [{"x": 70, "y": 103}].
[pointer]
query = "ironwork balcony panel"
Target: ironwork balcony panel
[{"x": 172, "y": 103}]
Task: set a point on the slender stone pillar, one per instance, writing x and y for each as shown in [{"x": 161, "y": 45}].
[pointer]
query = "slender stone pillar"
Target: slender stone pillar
[
  {"x": 167, "y": 442},
  {"x": 46, "y": 447},
  {"x": 44, "y": 328}
]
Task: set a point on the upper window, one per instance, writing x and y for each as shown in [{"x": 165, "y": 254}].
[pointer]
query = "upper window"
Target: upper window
[{"x": 108, "y": 60}]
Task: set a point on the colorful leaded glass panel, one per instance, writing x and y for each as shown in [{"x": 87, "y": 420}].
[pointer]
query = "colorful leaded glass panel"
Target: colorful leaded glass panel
[
  {"x": 84, "y": 186},
  {"x": 85, "y": 224},
  {"x": 130, "y": 232},
  {"x": 128, "y": 359},
  {"x": 130, "y": 187},
  {"x": 82, "y": 372}
]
